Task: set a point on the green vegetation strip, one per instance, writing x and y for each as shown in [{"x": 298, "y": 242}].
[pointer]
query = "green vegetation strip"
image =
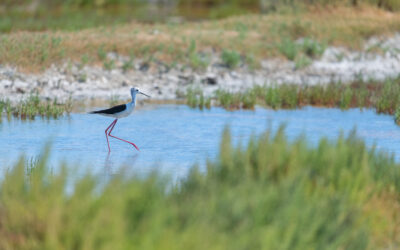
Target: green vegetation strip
[
  {"x": 299, "y": 36},
  {"x": 383, "y": 96},
  {"x": 32, "y": 107},
  {"x": 271, "y": 194},
  {"x": 81, "y": 14}
]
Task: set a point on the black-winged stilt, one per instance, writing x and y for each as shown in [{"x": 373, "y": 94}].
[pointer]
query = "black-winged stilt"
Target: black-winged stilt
[{"x": 117, "y": 112}]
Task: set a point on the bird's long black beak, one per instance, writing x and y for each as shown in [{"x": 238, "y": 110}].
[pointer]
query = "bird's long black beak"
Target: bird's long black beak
[{"x": 144, "y": 94}]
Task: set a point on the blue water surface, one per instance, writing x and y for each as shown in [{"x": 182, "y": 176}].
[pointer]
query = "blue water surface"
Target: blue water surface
[{"x": 172, "y": 138}]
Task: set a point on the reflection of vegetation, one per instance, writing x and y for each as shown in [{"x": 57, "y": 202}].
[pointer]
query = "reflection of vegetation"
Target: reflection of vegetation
[
  {"x": 384, "y": 97},
  {"x": 272, "y": 194},
  {"x": 32, "y": 107}
]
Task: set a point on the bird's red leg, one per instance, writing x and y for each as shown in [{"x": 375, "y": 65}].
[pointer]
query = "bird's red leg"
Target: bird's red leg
[
  {"x": 109, "y": 133},
  {"x": 111, "y": 125}
]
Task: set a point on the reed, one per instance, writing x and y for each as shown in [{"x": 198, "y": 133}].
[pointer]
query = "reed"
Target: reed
[
  {"x": 384, "y": 97},
  {"x": 32, "y": 107}
]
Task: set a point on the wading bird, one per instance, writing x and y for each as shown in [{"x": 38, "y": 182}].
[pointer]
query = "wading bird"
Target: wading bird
[{"x": 117, "y": 112}]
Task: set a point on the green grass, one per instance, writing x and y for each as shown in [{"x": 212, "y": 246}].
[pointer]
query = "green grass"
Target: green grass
[
  {"x": 128, "y": 65},
  {"x": 196, "y": 60},
  {"x": 384, "y": 97},
  {"x": 75, "y": 15},
  {"x": 302, "y": 52},
  {"x": 397, "y": 116},
  {"x": 32, "y": 107},
  {"x": 237, "y": 41},
  {"x": 195, "y": 98},
  {"x": 288, "y": 48},
  {"x": 302, "y": 61},
  {"x": 109, "y": 64},
  {"x": 231, "y": 101},
  {"x": 269, "y": 194},
  {"x": 230, "y": 58}
]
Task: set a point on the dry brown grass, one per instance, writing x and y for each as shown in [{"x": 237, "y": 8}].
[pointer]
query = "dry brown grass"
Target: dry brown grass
[{"x": 258, "y": 35}]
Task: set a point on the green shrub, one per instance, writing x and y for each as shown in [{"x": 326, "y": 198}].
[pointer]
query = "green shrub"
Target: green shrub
[
  {"x": 127, "y": 65},
  {"x": 248, "y": 100},
  {"x": 272, "y": 97},
  {"x": 198, "y": 61},
  {"x": 397, "y": 116},
  {"x": 302, "y": 61},
  {"x": 84, "y": 60},
  {"x": 195, "y": 98},
  {"x": 288, "y": 48},
  {"x": 313, "y": 48},
  {"x": 229, "y": 100},
  {"x": 226, "y": 10},
  {"x": 230, "y": 58},
  {"x": 101, "y": 53},
  {"x": 389, "y": 98},
  {"x": 346, "y": 97},
  {"x": 289, "y": 95},
  {"x": 109, "y": 64}
]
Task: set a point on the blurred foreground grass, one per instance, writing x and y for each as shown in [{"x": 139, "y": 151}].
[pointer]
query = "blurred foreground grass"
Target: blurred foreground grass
[{"x": 271, "y": 194}]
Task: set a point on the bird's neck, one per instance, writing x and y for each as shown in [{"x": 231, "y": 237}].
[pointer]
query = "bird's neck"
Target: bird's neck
[{"x": 133, "y": 99}]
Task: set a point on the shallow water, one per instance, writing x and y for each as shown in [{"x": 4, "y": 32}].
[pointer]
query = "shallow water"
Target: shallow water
[{"x": 174, "y": 137}]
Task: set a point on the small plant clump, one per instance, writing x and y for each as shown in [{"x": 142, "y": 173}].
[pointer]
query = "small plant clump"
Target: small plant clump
[
  {"x": 230, "y": 58},
  {"x": 33, "y": 106},
  {"x": 101, "y": 53},
  {"x": 301, "y": 52},
  {"x": 195, "y": 99},
  {"x": 397, "y": 116},
  {"x": 109, "y": 64},
  {"x": 5, "y": 107},
  {"x": 312, "y": 48},
  {"x": 128, "y": 65},
  {"x": 288, "y": 48},
  {"x": 232, "y": 101},
  {"x": 197, "y": 60},
  {"x": 302, "y": 61}
]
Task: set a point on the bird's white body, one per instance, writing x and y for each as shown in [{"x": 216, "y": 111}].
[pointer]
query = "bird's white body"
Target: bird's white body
[{"x": 128, "y": 110}]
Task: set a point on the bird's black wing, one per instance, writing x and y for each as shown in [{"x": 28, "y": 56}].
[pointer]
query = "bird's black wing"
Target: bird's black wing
[{"x": 110, "y": 111}]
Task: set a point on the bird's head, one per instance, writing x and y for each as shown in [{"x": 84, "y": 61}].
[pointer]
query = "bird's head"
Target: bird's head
[{"x": 135, "y": 91}]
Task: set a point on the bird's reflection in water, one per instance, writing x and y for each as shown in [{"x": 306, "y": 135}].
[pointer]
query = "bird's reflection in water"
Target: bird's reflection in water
[{"x": 123, "y": 166}]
